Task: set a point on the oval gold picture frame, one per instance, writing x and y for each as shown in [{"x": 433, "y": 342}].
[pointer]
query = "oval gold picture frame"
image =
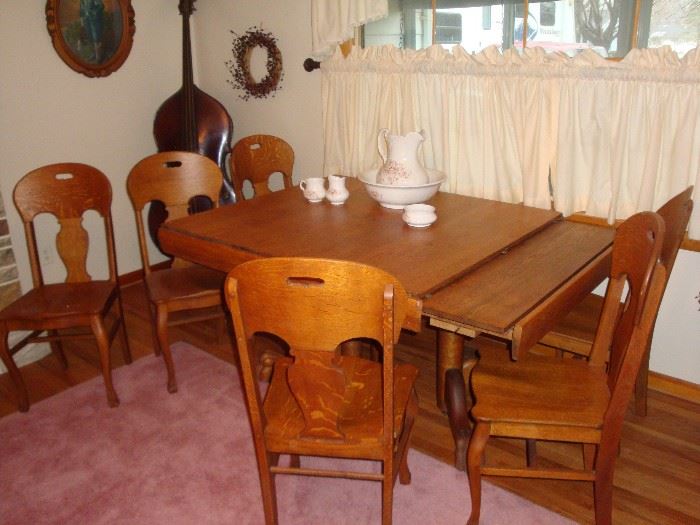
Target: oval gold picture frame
[{"x": 92, "y": 37}]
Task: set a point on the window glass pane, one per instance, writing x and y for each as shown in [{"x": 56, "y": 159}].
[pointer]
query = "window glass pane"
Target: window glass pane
[
  {"x": 448, "y": 27},
  {"x": 385, "y": 30},
  {"x": 548, "y": 14},
  {"x": 674, "y": 23},
  {"x": 486, "y": 17},
  {"x": 482, "y": 24},
  {"x": 571, "y": 26}
]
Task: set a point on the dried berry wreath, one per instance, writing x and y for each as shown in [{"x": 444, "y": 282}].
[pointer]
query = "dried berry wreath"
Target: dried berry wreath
[{"x": 239, "y": 67}]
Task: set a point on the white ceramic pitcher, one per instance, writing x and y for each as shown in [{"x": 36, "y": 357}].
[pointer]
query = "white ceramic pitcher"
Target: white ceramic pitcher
[
  {"x": 400, "y": 156},
  {"x": 336, "y": 193}
]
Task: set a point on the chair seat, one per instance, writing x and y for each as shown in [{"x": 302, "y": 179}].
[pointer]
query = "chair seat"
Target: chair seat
[
  {"x": 58, "y": 301},
  {"x": 361, "y": 423},
  {"x": 540, "y": 390},
  {"x": 184, "y": 282}
]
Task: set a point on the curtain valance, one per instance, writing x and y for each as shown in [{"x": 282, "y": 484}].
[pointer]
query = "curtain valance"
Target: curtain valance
[
  {"x": 586, "y": 134},
  {"x": 333, "y": 21}
]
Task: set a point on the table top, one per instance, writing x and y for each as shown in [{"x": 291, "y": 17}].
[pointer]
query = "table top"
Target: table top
[
  {"x": 468, "y": 233},
  {"x": 506, "y": 269},
  {"x": 496, "y": 296}
]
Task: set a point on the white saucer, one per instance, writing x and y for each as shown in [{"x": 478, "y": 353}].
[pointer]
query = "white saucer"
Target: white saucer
[{"x": 414, "y": 224}]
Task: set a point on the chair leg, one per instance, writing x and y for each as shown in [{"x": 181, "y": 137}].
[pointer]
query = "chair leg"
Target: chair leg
[
  {"x": 388, "y": 492},
  {"x": 641, "y": 386},
  {"x": 602, "y": 494},
  {"x": 267, "y": 487},
  {"x": 222, "y": 329},
  {"x": 404, "y": 471},
  {"x": 405, "y": 439},
  {"x": 531, "y": 452},
  {"x": 475, "y": 456},
  {"x": 126, "y": 351},
  {"x": 589, "y": 452},
  {"x": 15, "y": 376},
  {"x": 57, "y": 350},
  {"x": 154, "y": 324},
  {"x": 162, "y": 331},
  {"x": 98, "y": 329}
]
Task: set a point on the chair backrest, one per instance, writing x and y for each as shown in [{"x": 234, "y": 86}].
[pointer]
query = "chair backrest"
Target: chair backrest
[
  {"x": 636, "y": 249},
  {"x": 67, "y": 191},
  {"x": 632, "y": 299},
  {"x": 173, "y": 178},
  {"x": 255, "y": 158},
  {"x": 314, "y": 305},
  {"x": 676, "y": 214}
]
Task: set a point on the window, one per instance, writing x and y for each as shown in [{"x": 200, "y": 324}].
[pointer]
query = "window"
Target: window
[
  {"x": 486, "y": 17},
  {"x": 548, "y": 12},
  {"x": 608, "y": 27},
  {"x": 448, "y": 28}
]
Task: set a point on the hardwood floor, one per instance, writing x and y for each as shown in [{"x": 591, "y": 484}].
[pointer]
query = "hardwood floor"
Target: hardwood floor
[{"x": 657, "y": 479}]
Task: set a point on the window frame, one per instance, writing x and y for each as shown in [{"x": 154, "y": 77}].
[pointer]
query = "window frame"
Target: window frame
[{"x": 641, "y": 16}]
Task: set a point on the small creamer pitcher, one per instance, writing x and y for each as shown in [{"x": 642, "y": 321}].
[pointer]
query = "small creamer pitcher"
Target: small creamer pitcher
[
  {"x": 336, "y": 193},
  {"x": 400, "y": 156}
]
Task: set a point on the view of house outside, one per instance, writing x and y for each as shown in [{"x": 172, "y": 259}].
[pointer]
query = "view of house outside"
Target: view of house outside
[{"x": 606, "y": 26}]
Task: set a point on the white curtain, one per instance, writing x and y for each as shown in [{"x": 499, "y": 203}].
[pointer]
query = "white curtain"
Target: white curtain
[
  {"x": 629, "y": 133},
  {"x": 619, "y": 137},
  {"x": 333, "y": 21},
  {"x": 487, "y": 117}
]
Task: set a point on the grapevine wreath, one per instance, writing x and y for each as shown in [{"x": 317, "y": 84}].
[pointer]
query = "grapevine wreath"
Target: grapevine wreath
[{"x": 239, "y": 67}]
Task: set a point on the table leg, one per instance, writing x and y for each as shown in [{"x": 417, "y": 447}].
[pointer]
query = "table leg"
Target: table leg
[{"x": 450, "y": 348}]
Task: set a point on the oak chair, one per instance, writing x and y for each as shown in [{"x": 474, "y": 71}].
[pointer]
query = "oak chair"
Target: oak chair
[
  {"x": 80, "y": 307},
  {"x": 575, "y": 333},
  {"x": 545, "y": 398},
  {"x": 255, "y": 158},
  {"x": 319, "y": 402},
  {"x": 174, "y": 178}
]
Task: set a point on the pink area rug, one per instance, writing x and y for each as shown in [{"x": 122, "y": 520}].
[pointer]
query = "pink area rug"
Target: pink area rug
[{"x": 188, "y": 458}]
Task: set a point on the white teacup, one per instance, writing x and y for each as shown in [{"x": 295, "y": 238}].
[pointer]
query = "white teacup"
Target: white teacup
[
  {"x": 419, "y": 215},
  {"x": 314, "y": 188}
]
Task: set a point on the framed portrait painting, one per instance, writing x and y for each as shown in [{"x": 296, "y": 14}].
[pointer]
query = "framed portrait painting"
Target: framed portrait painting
[{"x": 93, "y": 37}]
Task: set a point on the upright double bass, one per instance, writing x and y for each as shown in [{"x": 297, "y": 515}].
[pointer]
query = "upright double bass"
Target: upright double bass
[{"x": 192, "y": 120}]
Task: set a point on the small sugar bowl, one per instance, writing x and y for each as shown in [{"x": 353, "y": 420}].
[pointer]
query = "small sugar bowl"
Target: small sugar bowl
[{"x": 419, "y": 215}]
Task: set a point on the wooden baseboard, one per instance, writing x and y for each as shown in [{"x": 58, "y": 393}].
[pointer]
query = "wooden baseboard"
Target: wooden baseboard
[
  {"x": 136, "y": 276},
  {"x": 674, "y": 387}
]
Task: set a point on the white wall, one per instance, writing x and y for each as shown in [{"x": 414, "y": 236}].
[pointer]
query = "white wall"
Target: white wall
[
  {"x": 294, "y": 113},
  {"x": 676, "y": 345},
  {"x": 48, "y": 113}
]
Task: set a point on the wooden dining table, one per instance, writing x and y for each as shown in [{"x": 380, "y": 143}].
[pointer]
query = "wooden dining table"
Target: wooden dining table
[{"x": 483, "y": 267}]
